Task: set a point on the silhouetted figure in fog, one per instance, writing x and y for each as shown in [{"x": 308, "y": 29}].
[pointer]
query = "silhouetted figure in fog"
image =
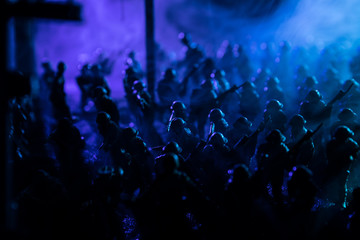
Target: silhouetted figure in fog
[
  {"x": 239, "y": 202},
  {"x": 273, "y": 90},
  {"x": 217, "y": 145},
  {"x": 133, "y": 63},
  {"x": 314, "y": 109},
  {"x": 354, "y": 66},
  {"x": 208, "y": 67},
  {"x": 272, "y": 160},
  {"x": 249, "y": 101},
  {"x": 85, "y": 84},
  {"x": 302, "y": 72},
  {"x": 306, "y": 151},
  {"x": 308, "y": 84},
  {"x": 138, "y": 172},
  {"x": 98, "y": 79},
  {"x": 352, "y": 99},
  {"x": 69, "y": 146},
  {"x": 57, "y": 94},
  {"x": 215, "y": 159},
  {"x": 194, "y": 54},
  {"x": 218, "y": 122},
  {"x": 178, "y": 110},
  {"x": 104, "y": 103},
  {"x": 107, "y": 221},
  {"x": 348, "y": 118},
  {"x": 130, "y": 77},
  {"x": 341, "y": 151},
  {"x": 242, "y": 63},
  {"x": 220, "y": 82},
  {"x": 69, "y": 142},
  {"x": 301, "y": 189},
  {"x": 221, "y": 86},
  {"x": 245, "y": 147},
  {"x": 173, "y": 147},
  {"x": 178, "y": 132},
  {"x": 241, "y": 127},
  {"x": 47, "y": 78},
  {"x": 163, "y": 209},
  {"x": 202, "y": 100},
  {"x": 330, "y": 83},
  {"x": 301, "y": 192},
  {"x": 128, "y": 81},
  {"x": 168, "y": 88},
  {"x": 275, "y": 116},
  {"x": 227, "y": 62},
  {"x": 262, "y": 74},
  {"x": 283, "y": 67},
  {"x": 145, "y": 111},
  {"x": 112, "y": 139}
]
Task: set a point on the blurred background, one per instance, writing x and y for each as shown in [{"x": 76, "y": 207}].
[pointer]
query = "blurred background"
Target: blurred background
[{"x": 113, "y": 28}]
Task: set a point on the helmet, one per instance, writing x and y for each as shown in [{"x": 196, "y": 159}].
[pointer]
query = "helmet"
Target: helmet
[
  {"x": 343, "y": 132},
  {"x": 302, "y": 69},
  {"x": 248, "y": 85},
  {"x": 313, "y": 96},
  {"x": 274, "y": 104},
  {"x": 138, "y": 86},
  {"x": 347, "y": 114},
  {"x": 170, "y": 73},
  {"x": 172, "y": 147},
  {"x": 297, "y": 120},
  {"x": 185, "y": 38},
  {"x": 96, "y": 68},
  {"x": 130, "y": 133},
  {"x": 103, "y": 118},
  {"x": 218, "y": 74},
  {"x": 61, "y": 66},
  {"x": 131, "y": 54},
  {"x": 310, "y": 81},
  {"x": 242, "y": 121},
  {"x": 178, "y": 106},
  {"x": 275, "y": 136},
  {"x": 176, "y": 124},
  {"x": 167, "y": 162},
  {"x": 216, "y": 114},
  {"x": 46, "y": 65},
  {"x": 100, "y": 91},
  {"x": 240, "y": 173},
  {"x": 272, "y": 81},
  {"x": 217, "y": 139}
]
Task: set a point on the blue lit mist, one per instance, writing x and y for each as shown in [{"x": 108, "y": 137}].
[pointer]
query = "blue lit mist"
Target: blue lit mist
[{"x": 114, "y": 27}]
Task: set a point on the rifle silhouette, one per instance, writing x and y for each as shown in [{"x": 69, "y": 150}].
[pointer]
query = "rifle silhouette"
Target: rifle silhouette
[
  {"x": 326, "y": 112},
  {"x": 221, "y": 97},
  {"x": 184, "y": 83},
  {"x": 246, "y": 138},
  {"x": 309, "y": 134},
  {"x": 340, "y": 95}
]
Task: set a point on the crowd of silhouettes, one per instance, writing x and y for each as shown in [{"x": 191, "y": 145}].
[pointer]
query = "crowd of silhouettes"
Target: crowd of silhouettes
[{"x": 225, "y": 152}]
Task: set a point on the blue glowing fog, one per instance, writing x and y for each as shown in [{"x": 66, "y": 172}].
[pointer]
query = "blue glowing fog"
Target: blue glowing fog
[{"x": 114, "y": 27}]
